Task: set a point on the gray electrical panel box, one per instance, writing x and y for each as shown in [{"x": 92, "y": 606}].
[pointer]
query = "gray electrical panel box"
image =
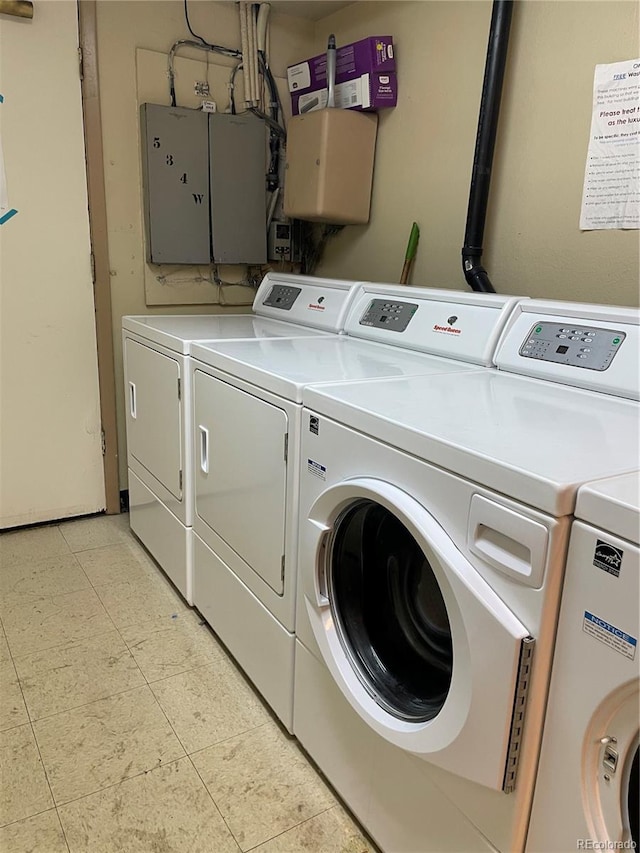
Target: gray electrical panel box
[
  {"x": 237, "y": 148},
  {"x": 175, "y": 174}
]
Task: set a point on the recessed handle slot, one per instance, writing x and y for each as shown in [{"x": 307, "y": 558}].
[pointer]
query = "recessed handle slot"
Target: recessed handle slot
[
  {"x": 509, "y": 541},
  {"x": 322, "y": 590},
  {"x": 132, "y": 400},
  {"x": 503, "y": 549},
  {"x": 204, "y": 449}
]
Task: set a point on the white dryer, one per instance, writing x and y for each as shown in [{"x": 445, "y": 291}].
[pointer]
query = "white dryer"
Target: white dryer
[
  {"x": 158, "y": 404},
  {"x": 247, "y": 410},
  {"x": 434, "y": 519},
  {"x": 587, "y": 794}
]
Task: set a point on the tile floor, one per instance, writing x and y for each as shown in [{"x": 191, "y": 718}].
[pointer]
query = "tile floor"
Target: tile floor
[{"x": 124, "y": 724}]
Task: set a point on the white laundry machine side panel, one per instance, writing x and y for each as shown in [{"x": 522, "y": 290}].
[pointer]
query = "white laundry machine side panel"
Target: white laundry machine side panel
[
  {"x": 241, "y": 473},
  {"x": 332, "y": 733},
  {"x": 338, "y": 454},
  {"x": 154, "y": 413},
  {"x": 593, "y": 696},
  {"x": 256, "y": 639},
  {"x": 409, "y": 813},
  {"x": 162, "y": 534},
  {"x": 280, "y": 604},
  {"x": 398, "y": 805}
]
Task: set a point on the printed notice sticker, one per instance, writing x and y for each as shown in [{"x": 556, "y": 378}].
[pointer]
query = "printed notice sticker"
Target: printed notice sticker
[
  {"x": 611, "y": 193},
  {"x": 316, "y": 469},
  {"x": 608, "y": 558},
  {"x": 611, "y": 636}
]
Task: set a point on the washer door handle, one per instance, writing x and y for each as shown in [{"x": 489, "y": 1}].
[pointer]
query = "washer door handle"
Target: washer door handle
[
  {"x": 132, "y": 400},
  {"x": 322, "y": 590},
  {"x": 204, "y": 449}
]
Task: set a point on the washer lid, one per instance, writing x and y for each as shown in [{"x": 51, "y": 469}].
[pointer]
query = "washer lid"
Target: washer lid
[
  {"x": 286, "y": 365},
  {"x": 177, "y": 332},
  {"x": 612, "y": 505},
  {"x": 534, "y": 441}
]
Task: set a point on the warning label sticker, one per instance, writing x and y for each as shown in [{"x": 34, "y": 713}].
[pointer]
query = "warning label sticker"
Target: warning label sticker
[
  {"x": 608, "y": 558},
  {"x": 608, "y": 634},
  {"x": 316, "y": 469}
]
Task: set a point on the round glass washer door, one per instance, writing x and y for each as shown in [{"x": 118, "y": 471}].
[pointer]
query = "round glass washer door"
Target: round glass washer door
[{"x": 389, "y": 612}]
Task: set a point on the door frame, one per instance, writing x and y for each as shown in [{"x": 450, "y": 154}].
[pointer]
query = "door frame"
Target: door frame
[{"x": 92, "y": 121}]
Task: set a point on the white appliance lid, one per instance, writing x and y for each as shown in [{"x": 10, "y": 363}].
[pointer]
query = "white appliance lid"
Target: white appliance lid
[
  {"x": 534, "y": 441},
  {"x": 612, "y": 505},
  {"x": 177, "y": 332},
  {"x": 450, "y": 323},
  {"x": 286, "y": 365}
]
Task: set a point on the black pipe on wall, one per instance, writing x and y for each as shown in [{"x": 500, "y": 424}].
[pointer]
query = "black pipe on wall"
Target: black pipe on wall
[{"x": 475, "y": 274}]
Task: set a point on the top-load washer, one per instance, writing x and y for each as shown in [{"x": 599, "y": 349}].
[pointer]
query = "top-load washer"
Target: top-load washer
[
  {"x": 158, "y": 400},
  {"x": 587, "y": 792},
  {"x": 247, "y": 407},
  {"x": 434, "y": 519}
]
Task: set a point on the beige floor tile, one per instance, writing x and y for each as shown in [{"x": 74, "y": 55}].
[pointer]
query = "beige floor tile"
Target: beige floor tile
[
  {"x": 332, "y": 831},
  {"x": 27, "y": 583},
  {"x": 39, "y": 834},
  {"x": 67, "y": 676},
  {"x": 130, "y": 603},
  {"x": 96, "y": 532},
  {"x": 167, "y": 646},
  {"x": 12, "y": 708},
  {"x": 262, "y": 784},
  {"x": 54, "y": 620},
  {"x": 108, "y": 741},
  {"x": 209, "y": 704},
  {"x": 117, "y": 563},
  {"x": 165, "y": 811},
  {"x": 31, "y": 545},
  {"x": 5, "y": 654},
  {"x": 24, "y": 790}
]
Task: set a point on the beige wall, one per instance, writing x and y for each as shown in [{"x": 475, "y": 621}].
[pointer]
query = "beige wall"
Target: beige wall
[
  {"x": 127, "y": 31},
  {"x": 533, "y": 245},
  {"x": 50, "y": 444}
]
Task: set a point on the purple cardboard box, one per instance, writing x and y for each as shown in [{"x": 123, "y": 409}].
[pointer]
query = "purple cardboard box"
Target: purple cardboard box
[
  {"x": 367, "y": 92},
  {"x": 372, "y": 55}
]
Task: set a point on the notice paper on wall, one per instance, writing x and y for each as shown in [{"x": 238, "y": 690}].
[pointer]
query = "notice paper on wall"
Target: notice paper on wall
[{"x": 611, "y": 193}]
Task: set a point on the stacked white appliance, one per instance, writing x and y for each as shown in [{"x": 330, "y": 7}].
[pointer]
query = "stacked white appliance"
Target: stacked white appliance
[
  {"x": 247, "y": 399},
  {"x": 431, "y": 557},
  {"x": 587, "y": 793},
  {"x": 158, "y": 400}
]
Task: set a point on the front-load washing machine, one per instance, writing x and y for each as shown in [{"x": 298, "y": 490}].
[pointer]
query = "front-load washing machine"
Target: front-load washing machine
[
  {"x": 587, "y": 793},
  {"x": 247, "y": 407},
  {"x": 158, "y": 400},
  {"x": 434, "y": 519}
]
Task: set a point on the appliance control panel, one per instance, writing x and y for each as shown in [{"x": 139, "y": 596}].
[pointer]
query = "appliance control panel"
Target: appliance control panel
[
  {"x": 551, "y": 340},
  {"x": 282, "y": 296},
  {"x": 389, "y": 314},
  {"x": 580, "y": 346}
]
